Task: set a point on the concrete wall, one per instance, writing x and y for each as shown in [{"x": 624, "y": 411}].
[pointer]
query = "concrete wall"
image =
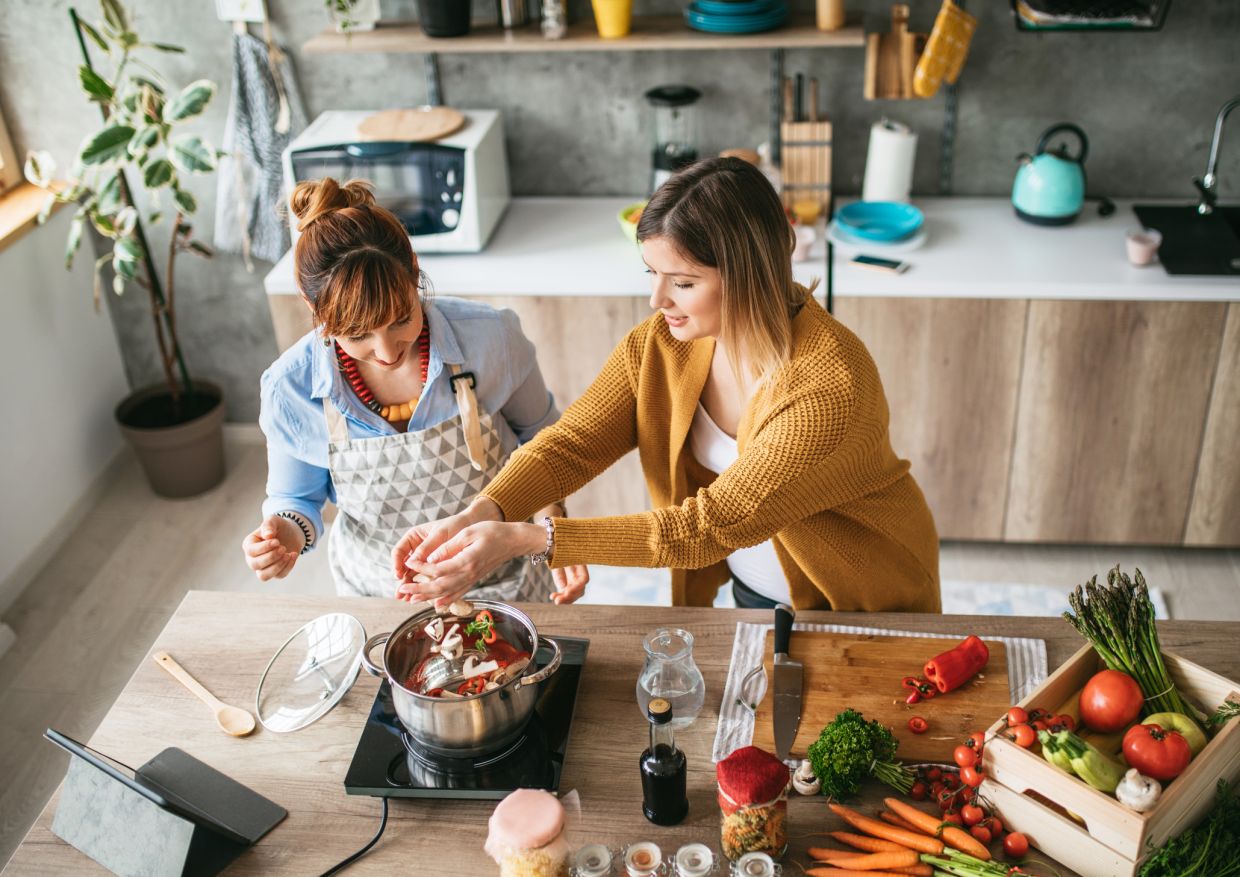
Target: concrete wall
[
  {"x": 61, "y": 380},
  {"x": 576, "y": 122}
]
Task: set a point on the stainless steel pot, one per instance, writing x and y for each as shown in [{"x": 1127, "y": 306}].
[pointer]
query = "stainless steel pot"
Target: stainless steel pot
[{"x": 471, "y": 726}]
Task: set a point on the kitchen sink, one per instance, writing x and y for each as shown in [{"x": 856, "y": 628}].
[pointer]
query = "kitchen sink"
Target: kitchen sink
[{"x": 1192, "y": 243}]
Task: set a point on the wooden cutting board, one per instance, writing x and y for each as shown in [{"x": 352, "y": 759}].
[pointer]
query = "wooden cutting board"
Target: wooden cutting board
[
  {"x": 863, "y": 671},
  {"x": 415, "y": 125}
]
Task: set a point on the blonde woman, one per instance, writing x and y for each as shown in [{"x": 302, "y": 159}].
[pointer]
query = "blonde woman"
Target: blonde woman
[{"x": 761, "y": 424}]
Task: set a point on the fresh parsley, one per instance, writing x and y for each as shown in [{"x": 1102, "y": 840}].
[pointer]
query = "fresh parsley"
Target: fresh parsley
[{"x": 1229, "y": 710}]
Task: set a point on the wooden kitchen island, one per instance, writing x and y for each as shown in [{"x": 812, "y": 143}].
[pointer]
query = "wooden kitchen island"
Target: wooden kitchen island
[{"x": 226, "y": 640}]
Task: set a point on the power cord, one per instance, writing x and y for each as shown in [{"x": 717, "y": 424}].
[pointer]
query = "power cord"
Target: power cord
[{"x": 336, "y": 869}]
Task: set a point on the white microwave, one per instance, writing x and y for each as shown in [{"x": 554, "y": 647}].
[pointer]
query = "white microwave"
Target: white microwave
[{"x": 449, "y": 193}]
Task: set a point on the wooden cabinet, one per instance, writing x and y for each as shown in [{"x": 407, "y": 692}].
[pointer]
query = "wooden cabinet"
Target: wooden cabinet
[
  {"x": 949, "y": 368},
  {"x": 1214, "y": 516}
]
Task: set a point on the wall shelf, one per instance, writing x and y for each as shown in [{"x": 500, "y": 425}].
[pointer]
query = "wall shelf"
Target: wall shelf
[{"x": 650, "y": 32}]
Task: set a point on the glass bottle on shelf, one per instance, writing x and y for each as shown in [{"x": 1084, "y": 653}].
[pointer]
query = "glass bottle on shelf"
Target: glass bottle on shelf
[
  {"x": 665, "y": 798},
  {"x": 670, "y": 673}
]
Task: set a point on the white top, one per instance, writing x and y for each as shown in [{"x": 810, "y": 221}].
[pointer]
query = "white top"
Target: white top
[
  {"x": 758, "y": 567},
  {"x": 975, "y": 248}
]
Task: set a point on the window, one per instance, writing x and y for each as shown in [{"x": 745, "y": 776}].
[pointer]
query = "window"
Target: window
[{"x": 10, "y": 169}]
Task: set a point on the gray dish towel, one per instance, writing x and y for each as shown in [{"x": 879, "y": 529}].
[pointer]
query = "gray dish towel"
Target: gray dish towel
[{"x": 249, "y": 215}]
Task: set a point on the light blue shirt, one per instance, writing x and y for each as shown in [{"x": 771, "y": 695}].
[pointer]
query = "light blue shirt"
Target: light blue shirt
[{"x": 478, "y": 338}]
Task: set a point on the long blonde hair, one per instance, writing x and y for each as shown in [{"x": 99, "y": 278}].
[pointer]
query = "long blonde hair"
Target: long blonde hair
[{"x": 723, "y": 213}]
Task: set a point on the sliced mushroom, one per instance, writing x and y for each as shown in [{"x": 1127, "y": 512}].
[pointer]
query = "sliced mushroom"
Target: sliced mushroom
[
  {"x": 461, "y": 608},
  {"x": 490, "y": 686},
  {"x": 434, "y": 628},
  {"x": 472, "y": 667},
  {"x": 517, "y": 667}
]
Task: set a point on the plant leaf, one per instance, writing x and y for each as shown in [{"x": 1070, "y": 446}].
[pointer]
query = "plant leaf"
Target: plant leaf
[
  {"x": 40, "y": 167},
  {"x": 147, "y": 136},
  {"x": 95, "y": 85},
  {"x": 95, "y": 37},
  {"x": 102, "y": 224},
  {"x": 201, "y": 249},
  {"x": 127, "y": 220},
  {"x": 190, "y": 154},
  {"x": 129, "y": 40},
  {"x": 158, "y": 173},
  {"x": 166, "y": 47},
  {"x": 149, "y": 83},
  {"x": 109, "y": 143},
  {"x": 126, "y": 255},
  {"x": 192, "y": 100},
  {"x": 46, "y": 210},
  {"x": 114, "y": 15},
  {"x": 156, "y": 216},
  {"x": 110, "y": 195},
  {"x": 185, "y": 201},
  {"x": 75, "y": 238}
]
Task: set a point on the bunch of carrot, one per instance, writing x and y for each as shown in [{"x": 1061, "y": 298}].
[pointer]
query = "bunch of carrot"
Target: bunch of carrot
[{"x": 903, "y": 841}]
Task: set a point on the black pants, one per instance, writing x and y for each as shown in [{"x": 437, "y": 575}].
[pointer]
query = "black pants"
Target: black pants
[{"x": 747, "y": 598}]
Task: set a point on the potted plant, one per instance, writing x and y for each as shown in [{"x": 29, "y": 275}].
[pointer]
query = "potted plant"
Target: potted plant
[
  {"x": 176, "y": 427},
  {"x": 353, "y": 15}
]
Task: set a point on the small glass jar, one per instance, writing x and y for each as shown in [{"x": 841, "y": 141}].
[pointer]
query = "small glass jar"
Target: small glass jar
[
  {"x": 643, "y": 859},
  {"x": 526, "y": 835},
  {"x": 753, "y": 804},
  {"x": 694, "y": 860},
  {"x": 755, "y": 865},
  {"x": 593, "y": 861}
]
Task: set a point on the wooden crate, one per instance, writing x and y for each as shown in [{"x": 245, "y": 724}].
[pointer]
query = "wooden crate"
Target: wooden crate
[{"x": 1107, "y": 839}]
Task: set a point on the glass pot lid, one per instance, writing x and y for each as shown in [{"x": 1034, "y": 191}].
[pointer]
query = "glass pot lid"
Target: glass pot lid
[{"x": 310, "y": 673}]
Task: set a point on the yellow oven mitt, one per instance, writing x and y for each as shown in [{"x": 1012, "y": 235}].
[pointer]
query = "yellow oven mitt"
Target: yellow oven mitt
[{"x": 946, "y": 50}]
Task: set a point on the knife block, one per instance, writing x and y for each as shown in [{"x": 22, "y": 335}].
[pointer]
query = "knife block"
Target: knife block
[{"x": 805, "y": 163}]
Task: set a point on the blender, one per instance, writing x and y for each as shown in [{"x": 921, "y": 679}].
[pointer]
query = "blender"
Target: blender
[{"x": 675, "y": 130}]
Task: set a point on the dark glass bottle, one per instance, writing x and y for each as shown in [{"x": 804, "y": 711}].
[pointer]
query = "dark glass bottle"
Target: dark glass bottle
[{"x": 665, "y": 799}]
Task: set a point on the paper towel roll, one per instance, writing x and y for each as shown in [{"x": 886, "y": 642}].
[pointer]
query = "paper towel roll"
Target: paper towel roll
[{"x": 889, "y": 162}]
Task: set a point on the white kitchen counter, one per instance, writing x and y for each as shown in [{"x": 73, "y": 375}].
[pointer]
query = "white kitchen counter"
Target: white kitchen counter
[{"x": 975, "y": 248}]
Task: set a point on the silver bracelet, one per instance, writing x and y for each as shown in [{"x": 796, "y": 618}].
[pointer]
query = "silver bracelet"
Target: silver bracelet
[
  {"x": 545, "y": 556},
  {"x": 307, "y": 530}
]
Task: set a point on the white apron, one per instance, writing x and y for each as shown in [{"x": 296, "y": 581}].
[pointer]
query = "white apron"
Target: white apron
[{"x": 387, "y": 484}]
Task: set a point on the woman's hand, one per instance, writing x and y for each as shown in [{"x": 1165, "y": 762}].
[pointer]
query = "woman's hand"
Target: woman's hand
[
  {"x": 472, "y": 554},
  {"x": 421, "y": 540},
  {"x": 570, "y": 583},
  {"x": 273, "y": 548}
]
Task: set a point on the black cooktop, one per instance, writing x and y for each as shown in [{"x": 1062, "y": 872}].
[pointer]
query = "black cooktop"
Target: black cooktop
[{"x": 387, "y": 762}]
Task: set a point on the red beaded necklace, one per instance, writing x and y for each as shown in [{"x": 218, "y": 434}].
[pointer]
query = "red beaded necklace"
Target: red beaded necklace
[{"x": 394, "y": 413}]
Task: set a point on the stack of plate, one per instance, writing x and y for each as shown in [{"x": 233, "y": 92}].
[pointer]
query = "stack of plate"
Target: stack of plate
[
  {"x": 878, "y": 225},
  {"x": 736, "y": 16}
]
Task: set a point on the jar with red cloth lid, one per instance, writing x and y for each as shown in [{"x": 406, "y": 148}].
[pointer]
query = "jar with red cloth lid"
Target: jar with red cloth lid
[
  {"x": 753, "y": 803},
  {"x": 526, "y": 835}
]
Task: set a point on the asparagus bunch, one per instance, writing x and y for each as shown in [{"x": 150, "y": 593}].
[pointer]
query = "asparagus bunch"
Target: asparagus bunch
[{"x": 1118, "y": 620}]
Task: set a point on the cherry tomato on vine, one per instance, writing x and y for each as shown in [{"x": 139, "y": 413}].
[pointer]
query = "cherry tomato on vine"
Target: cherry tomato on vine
[
  {"x": 982, "y": 833},
  {"x": 1022, "y": 735},
  {"x": 1017, "y": 716},
  {"x": 918, "y": 791},
  {"x": 953, "y": 816},
  {"x": 994, "y": 824},
  {"x": 971, "y": 776},
  {"x": 972, "y": 814},
  {"x": 964, "y": 756},
  {"x": 951, "y": 781},
  {"x": 1016, "y": 845},
  {"x": 934, "y": 774},
  {"x": 977, "y": 740},
  {"x": 1065, "y": 721}
]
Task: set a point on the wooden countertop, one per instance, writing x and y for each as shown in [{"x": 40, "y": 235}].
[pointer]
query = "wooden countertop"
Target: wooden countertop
[{"x": 226, "y": 640}]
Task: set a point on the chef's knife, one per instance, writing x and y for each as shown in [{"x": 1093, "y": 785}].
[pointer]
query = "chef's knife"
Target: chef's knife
[{"x": 788, "y": 677}]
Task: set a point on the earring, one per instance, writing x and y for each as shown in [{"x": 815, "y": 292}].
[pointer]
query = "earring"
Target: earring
[{"x": 327, "y": 342}]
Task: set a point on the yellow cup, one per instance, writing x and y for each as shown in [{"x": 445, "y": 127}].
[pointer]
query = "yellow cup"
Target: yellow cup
[{"x": 613, "y": 18}]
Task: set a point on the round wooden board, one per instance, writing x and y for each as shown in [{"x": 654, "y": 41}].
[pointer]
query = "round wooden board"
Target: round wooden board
[{"x": 414, "y": 125}]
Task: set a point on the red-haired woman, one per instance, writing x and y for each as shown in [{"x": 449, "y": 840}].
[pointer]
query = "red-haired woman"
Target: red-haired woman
[{"x": 397, "y": 408}]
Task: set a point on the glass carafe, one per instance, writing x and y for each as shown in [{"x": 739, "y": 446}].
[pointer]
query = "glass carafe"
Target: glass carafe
[{"x": 670, "y": 673}]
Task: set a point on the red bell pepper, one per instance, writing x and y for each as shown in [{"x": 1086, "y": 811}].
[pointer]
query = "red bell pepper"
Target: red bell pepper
[{"x": 957, "y": 666}]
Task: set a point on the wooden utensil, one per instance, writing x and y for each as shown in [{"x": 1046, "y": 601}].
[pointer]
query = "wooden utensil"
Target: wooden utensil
[
  {"x": 415, "y": 125},
  {"x": 231, "y": 719},
  {"x": 891, "y": 58},
  {"x": 864, "y": 672}
]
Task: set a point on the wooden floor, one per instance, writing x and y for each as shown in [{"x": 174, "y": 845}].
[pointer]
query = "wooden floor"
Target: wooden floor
[{"x": 93, "y": 611}]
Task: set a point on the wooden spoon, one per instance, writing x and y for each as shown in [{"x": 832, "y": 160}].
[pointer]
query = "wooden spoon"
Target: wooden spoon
[{"x": 231, "y": 719}]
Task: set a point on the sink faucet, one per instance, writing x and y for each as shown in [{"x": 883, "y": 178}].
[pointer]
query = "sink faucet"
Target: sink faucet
[{"x": 1208, "y": 185}]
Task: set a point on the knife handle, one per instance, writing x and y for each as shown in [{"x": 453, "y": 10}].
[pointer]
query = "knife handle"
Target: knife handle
[{"x": 783, "y": 628}]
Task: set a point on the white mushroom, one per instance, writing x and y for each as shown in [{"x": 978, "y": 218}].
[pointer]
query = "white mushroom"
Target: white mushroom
[
  {"x": 490, "y": 686},
  {"x": 434, "y": 628},
  {"x": 461, "y": 608},
  {"x": 472, "y": 667}
]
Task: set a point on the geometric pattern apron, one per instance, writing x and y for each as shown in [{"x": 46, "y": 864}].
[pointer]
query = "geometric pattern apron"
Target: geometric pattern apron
[{"x": 387, "y": 484}]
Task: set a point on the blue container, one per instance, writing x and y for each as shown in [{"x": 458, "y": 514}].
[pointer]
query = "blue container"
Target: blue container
[{"x": 883, "y": 221}]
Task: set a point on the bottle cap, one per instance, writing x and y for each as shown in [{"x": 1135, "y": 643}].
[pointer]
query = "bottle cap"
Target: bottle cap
[{"x": 659, "y": 712}]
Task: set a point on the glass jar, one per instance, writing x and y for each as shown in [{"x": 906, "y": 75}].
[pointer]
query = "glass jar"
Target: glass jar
[
  {"x": 753, "y": 804},
  {"x": 526, "y": 835},
  {"x": 670, "y": 673}
]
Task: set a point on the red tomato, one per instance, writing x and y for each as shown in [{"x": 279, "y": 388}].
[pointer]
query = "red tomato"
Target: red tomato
[
  {"x": 964, "y": 756},
  {"x": 918, "y": 791},
  {"x": 953, "y": 816},
  {"x": 1023, "y": 735},
  {"x": 972, "y": 814},
  {"x": 1041, "y": 725},
  {"x": 1064, "y": 721},
  {"x": 977, "y": 740},
  {"x": 1160, "y": 754},
  {"x": 1017, "y": 716},
  {"x": 1111, "y": 700},
  {"x": 982, "y": 833},
  {"x": 933, "y": 774},
  {"x": 1016, "y": 845},
  {"x": 951, "y": 781},
  {"x": 994, "y": 824},
  {"x": 918, "y": 725},
  {"x": 971, "y": 776}
]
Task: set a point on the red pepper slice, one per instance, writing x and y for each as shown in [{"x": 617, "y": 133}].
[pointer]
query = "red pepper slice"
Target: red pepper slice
[
  {"x": 434, "y": 692},
  {"x": 912, "y": 683},
  {"x": 957, "y": 666},
  {"x": 918, "y": 725},
  {"x": 490, "y": 636}
]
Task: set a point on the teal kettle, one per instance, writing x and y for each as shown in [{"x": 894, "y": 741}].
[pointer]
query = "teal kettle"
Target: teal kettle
[{"x": 1050, "y": 184}]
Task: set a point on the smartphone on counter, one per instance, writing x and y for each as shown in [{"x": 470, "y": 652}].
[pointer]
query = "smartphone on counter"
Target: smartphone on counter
[{"x": 877, "y": 264}]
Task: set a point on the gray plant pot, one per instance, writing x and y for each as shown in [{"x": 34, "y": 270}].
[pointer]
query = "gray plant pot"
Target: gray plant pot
[{"x": 181, "y": 460}]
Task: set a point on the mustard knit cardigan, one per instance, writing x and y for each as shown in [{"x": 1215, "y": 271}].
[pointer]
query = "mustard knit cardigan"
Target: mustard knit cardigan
[{"x": 816, "y": 474}]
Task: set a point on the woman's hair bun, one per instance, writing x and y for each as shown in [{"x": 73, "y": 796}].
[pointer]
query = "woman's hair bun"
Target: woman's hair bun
[{"x": 313, "y": 199}]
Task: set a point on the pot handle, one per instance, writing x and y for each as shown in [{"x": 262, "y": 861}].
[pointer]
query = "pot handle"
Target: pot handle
[
  {"x": 371, "y": 667},
  {"x": 554, "y": 664}
]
